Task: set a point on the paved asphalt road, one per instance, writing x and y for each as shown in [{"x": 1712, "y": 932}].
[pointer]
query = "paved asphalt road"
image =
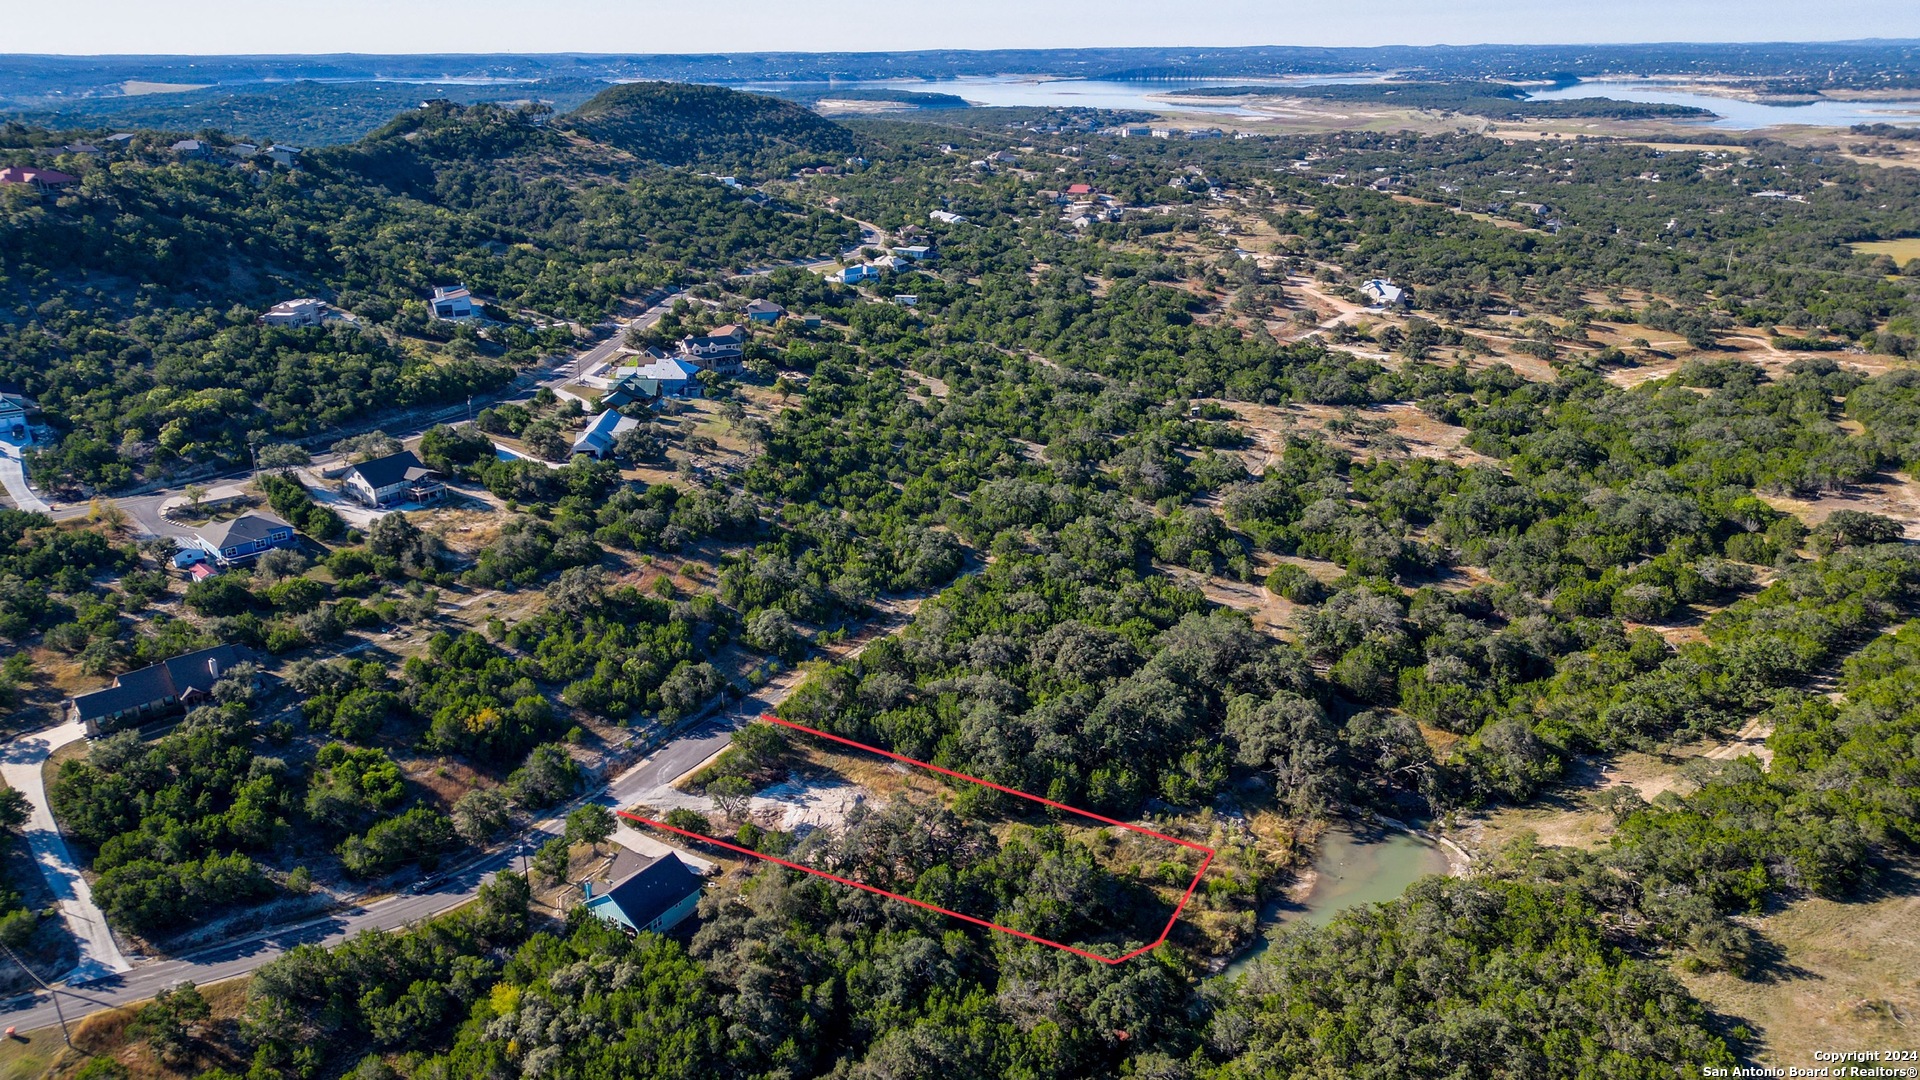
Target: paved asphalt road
[
  {"x": 32, "y": 1011},
  {"x": 29, "y": 1012},
  {"x": 143, "y": 511}
]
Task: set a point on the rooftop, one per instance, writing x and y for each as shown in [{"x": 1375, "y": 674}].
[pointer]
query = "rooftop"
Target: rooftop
[
  {"x": 196, "y": 671},
  {"x": 392, "y": 469},
  {"x": 245, "y": 529},
  {"x": 643, "y": 896},
  {"x": 20, "y": 174}
]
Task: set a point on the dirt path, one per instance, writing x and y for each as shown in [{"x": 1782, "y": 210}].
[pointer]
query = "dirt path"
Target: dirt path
[{"x": 1751, "y": 739}]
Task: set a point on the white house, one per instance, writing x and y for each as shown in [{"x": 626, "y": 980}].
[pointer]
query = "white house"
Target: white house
[
  {"x": 849, "y": 275},
  {"x": 454, "y": 302},
  {"x": 916, "y": 252},
  {"x": 285, "y": 156},
  {"x": 1384, "y": 293},
  {"x": 396, "y": 478},
  {"x": 303, "y": 312},
  {"x": 947, "y": 216}
]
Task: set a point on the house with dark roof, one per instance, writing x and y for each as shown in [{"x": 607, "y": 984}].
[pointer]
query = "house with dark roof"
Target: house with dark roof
[
  {"x": 191, "y": 148},
  {"x": 654, "y": 899},
  {"x": 244, "y": 538},
  {"x": 764, "y": 311},
  {"x": 718, "y": 351},
  {"x": 137, "y": 696},
  {"x": 630, "y": 389},
  {"x": 396, "y": 478}
]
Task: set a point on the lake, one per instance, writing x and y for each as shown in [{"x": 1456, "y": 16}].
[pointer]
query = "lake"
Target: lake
[
  {"x": 1026, "y": 91},
  {"x": 1349, "y": 870},
  {"x": 1745, "y": 115},
  {"x": 1017, "y": 91}
]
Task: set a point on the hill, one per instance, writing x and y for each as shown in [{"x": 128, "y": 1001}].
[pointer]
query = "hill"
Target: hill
[
  {"x": 683, "y": 124},
  {"x": 304, "y": 113}
]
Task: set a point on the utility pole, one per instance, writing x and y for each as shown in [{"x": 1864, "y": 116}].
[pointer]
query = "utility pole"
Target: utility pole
[{"x": 51, "y": 992}]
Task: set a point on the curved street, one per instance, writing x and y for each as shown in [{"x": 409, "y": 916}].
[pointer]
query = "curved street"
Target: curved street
[{"x": 102, "y": 986}]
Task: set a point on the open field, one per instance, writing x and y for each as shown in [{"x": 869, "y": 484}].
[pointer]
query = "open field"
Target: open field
[
  {"x": 1838, "y": 975},
  {"x": 1898, "y": 250},
  {"x": 1893, "y": 495}
]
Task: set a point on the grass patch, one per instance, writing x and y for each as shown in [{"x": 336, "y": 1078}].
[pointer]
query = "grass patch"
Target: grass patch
[{"x": 1899, "y": 250}]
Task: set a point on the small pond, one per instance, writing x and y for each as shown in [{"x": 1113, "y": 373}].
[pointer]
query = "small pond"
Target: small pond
[{"x": 1350, "y": 869}]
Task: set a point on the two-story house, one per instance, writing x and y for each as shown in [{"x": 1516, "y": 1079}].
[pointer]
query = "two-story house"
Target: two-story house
[
  {"x": 720, "y": 350},
  {"x": 454, "y": 302},
  {"x": 396, "y": 478},
  {"x": 652, "y": 900},
  {"x": 306, "y": 311}
]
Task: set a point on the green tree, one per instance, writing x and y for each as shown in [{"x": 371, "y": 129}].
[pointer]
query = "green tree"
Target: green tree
[{"x": 590, "y": 824}]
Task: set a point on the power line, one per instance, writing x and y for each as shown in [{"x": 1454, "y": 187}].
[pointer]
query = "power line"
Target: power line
[{"x": 55, "y": 994}]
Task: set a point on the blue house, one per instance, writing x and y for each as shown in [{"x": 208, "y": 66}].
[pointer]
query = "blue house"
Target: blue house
[
  {"x": 243, "y": 539},
  {"x": 597, "y": 440},
  {"x": 653, "y": 899},
  {"x": 673, "y": 377}
]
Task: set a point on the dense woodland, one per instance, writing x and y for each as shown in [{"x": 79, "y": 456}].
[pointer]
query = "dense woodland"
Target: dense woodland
[
  {"x": 1053, "y": 446},
  {"x": 131, "y": 301}
]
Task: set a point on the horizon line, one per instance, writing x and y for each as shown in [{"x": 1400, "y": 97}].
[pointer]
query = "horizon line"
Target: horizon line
[{"x": 1857, "y": 42}]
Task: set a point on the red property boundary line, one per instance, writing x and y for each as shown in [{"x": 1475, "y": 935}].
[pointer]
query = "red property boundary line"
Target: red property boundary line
[{"x": 1207, "y": 853}]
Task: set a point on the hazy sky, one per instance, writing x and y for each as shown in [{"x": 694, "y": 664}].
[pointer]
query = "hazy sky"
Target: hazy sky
[{"x": 637, "y": 26}]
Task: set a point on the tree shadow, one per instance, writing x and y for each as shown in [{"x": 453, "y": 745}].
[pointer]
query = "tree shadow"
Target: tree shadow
[{"x": 1767, "y": 963}]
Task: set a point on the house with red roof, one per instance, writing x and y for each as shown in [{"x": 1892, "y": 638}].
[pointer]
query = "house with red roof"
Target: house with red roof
[{"x": 39, "y": 179}]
